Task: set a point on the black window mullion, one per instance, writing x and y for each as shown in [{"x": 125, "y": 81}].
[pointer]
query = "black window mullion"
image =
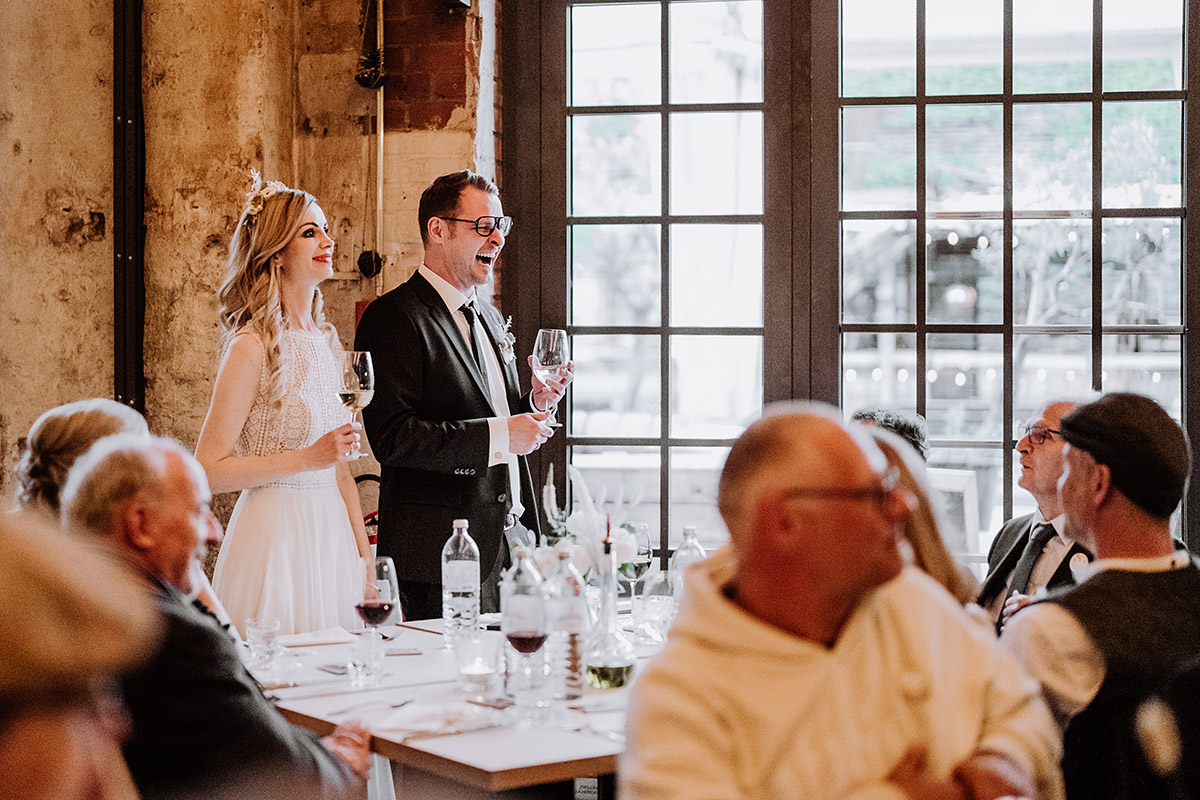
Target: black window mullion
[
  {"x": 922, "y": 253},
  {"x": 664, "y": 361},
  {"x": 1006, "y": 469},
  {"x": 1097, "y": 198},
  {"x": 1191, "y": 260}
]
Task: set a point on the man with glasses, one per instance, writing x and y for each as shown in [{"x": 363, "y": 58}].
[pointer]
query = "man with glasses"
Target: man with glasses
[
  {"x": 448, "y": 422},
  {"x": 809, "y": 662},
  {"x": 1032, "y": 552}
]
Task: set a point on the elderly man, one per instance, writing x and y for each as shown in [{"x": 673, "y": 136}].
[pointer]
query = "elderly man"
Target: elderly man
[
  {"x": 1102, "y": 647},
  {"x": 1032, "y": 552},
  {"x": 449, "y": 423},
  {"x": 201, "y": 724},
  {"x": 807, "y": 661}
]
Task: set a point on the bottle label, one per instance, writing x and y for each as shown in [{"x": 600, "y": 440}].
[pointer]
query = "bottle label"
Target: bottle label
[
  {"x": 566, "y": 615},
  {"x": 521, "y": 612},
  {"x": 460, "y": 576}
]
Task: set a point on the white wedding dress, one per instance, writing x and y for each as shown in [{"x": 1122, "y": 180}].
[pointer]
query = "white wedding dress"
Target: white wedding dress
[{"x": 289, "y": 552}]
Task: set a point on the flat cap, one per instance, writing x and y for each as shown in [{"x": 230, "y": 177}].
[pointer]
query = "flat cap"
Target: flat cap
[{"x": 1145, "y": 450}]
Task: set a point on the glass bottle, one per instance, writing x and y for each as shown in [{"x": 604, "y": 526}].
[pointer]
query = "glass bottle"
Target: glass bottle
[
  {"x": 610, "y": 655},
  {"x": 690, "y": 551},
  {"x": 460, "y": 584},
  {"x": 567, "y": 622},
  {"x": 523, "y": 622}
]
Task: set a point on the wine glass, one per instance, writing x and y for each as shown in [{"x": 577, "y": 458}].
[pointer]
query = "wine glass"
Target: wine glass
[
  {"x": 635, "y": 569},
  {"x": 379, "y": 599},
  {"x": 358, "y": 384},
  {"x": 550, "y": 357},
  {"x": 523, "y": 623}
]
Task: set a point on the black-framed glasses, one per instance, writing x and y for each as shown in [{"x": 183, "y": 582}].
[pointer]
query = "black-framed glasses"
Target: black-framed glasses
[
  {"x": 485, "y": 225},
  {"x": 887, "y": 484},
  {"x": 1037, "y": 434}
]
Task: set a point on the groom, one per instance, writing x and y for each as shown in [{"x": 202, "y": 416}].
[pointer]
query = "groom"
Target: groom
[{"x": 448, "y": 422}]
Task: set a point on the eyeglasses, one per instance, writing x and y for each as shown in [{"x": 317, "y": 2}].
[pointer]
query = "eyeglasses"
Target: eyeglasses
[
  {"x": 485, "y": 225},
  {"x": 879, "y": 494},
  {"x": 1037, "y": 434}
]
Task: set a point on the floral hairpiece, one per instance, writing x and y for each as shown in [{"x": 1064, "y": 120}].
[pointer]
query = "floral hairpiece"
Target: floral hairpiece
[{"x": 256, "y": 198}]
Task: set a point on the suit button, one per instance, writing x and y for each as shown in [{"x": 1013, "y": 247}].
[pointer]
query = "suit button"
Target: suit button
[
  {"x": 502, "y": 498},
  {"x": 470, "y": 472}
]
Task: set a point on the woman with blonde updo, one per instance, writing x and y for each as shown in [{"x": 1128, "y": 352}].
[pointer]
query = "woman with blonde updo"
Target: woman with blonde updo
[
  {"x": 58, "y": 437},
  {"x": 276, "y": 430}
]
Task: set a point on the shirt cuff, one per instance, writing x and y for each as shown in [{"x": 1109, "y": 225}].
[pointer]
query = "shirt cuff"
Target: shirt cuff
[{"x": 497, "y": 441}]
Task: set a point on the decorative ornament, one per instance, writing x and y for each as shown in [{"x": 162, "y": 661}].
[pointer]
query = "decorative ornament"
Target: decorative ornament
[{"x": 256, "y": 198}]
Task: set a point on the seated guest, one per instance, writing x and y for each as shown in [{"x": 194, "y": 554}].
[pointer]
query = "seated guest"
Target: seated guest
[
  {"x": 62, "y": 642},
  {"x": 1102, "y": 647},
  {"x": 201, "y": 724},
  {"x": 909, "y": 427},
  {"x": 806, "y": 661},
  {"x": 923, "y": 530},
  {"x": 1032, "y": 552},
  {"x": 63, "y": 434}
]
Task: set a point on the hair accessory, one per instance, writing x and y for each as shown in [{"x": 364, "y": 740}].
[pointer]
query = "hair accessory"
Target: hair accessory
[{"x": 260, "y": 190}]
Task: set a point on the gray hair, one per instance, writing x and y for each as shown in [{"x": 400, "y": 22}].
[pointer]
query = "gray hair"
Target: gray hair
[{"x": 113, "y": 472}]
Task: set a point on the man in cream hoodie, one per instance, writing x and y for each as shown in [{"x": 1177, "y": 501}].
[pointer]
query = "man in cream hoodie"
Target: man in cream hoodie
[{"x": 807, "y": 661}]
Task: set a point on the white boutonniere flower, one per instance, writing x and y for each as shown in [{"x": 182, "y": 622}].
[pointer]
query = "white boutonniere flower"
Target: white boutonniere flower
[{"x": 508, "y": 343}]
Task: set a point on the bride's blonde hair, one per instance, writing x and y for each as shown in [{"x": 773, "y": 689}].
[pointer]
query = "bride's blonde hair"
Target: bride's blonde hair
[{"x": 250, "y": 296}]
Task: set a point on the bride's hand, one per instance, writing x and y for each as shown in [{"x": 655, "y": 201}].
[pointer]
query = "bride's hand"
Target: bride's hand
[{"x": 335, "y": 447}]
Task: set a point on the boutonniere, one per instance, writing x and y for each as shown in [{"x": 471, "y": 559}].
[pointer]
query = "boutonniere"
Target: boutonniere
[{"x": 507, "y": 344}]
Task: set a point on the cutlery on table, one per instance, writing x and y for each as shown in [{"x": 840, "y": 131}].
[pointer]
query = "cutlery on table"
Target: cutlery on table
[{"x": 370, "y": 704}]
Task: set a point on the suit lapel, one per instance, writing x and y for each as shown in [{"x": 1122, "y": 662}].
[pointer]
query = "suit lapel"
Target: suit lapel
[
  {"x": 996, "y": 582},
  {"x": 442, "y": 317}
]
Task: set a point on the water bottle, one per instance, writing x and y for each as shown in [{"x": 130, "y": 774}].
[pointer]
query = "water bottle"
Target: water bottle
[
  {"x": 460, "y": 584},
  {"x": 690, "y": 551},
  {"x": 567, "y": 623}
]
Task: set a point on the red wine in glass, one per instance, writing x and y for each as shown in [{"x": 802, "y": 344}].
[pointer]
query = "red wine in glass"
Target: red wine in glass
[
  {"x": 375, "y": 612},
  {"x": 526, "y": 642}
]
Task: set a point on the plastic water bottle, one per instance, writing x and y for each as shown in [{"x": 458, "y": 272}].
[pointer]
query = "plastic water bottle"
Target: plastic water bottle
[
  {"x": 690, "y": 551},
  {"x": 566, "y": 615},
  {"x": 460, "y": 584}
]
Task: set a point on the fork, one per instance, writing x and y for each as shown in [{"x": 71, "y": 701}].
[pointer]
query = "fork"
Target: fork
[{"x": 369, "y": 704}]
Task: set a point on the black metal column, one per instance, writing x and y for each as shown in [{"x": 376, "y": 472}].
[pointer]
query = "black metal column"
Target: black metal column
[{"x": 129, "y": 234}]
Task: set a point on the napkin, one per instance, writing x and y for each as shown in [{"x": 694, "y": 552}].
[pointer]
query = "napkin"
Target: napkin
[
  {"x": 430, "y": 719},
  {"x": 336, "y": 635}
]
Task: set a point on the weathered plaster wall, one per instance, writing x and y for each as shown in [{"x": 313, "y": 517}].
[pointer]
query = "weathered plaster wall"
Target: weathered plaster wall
[{"x": 56, "y": 333}]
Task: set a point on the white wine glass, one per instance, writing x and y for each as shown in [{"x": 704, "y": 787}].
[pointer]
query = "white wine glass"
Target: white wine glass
[
  {"x": 550, "y": 357},
  {"x": 358, "y": 384}
]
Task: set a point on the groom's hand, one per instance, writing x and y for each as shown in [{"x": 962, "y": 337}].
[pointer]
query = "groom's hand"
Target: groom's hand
[
  {"x": 545, "y": 395},
  {"x": 526, "y": 432}
]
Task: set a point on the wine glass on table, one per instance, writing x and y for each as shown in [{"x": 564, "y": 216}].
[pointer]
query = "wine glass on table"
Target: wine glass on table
[
  {"x": 550, "y": 357},
  {"x": 523, "y": 622},
  {"x": 358, "y": 383},
  {"x": 380, "y": 599}
]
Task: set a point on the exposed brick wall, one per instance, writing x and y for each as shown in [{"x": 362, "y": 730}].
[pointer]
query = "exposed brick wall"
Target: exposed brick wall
[{"x": 425, "y": 53}]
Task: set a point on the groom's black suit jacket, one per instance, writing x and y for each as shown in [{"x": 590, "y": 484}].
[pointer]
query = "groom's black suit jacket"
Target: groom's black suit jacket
[
  {"x": 202, "y": 728},
  {"x": 427, "y": 426}
]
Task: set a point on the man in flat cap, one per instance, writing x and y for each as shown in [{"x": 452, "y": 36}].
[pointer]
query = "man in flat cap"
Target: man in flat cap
[{"x": 1102, "y": 647}]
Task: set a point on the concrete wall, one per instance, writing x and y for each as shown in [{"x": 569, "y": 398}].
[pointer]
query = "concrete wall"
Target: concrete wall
[{"x": 228, "y": 85}]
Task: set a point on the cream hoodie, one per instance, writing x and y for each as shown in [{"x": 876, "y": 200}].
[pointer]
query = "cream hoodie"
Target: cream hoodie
[{"x": 735, "y": 708}]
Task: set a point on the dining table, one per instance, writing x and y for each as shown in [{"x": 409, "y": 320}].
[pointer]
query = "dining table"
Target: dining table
[{"x": 442, "y": 740}]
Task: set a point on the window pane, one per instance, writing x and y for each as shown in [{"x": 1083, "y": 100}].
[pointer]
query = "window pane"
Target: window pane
[
  {"x": 717, "y": 52},
  {"x": 964, "y": 270},
  {"x": 616, "y": 164},
  {"x": 627, "y": 472},
  {"x": 964, "y": 47},
  {"x": 964, "y": 155},
  {"x": 716, "y": 385},
  {"x": 717, "y": 163},
  {"x": 967, "y": 482},
  {"x": 879, "y": 158},
  {"x": 879, "y": 369},
  {"x": 1149, "y": 365},
  {"x": 1143, "y": 45},
  {"x": 716, "y": 275},
  {"x": 617, "y": 394},
  {"x": 1143, "y": 283},
  {"x": 1143, "y": 155},
  {"x": 1052, "y": 156},
  {"x": 1049, "y": 366},
  {"x": 616, "y": 278},
  {"x": 879, "y": 259},
  {"x": 695, "y": 472},
  {"x": 615, "y": 54},
  {"x": 879, "y": 47},
  {"x": 1052, "y": 272},
  {"x": 1052, "y": 46},
  {"x": 964, "y": 376}
]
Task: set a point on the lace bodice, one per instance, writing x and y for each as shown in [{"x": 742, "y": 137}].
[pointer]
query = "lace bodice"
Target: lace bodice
[{"x": 310, "y": 407}]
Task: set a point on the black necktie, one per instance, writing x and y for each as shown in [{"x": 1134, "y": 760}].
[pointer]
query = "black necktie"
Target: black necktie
[
  {"x": 468, "y": 310},
  {"x": 1029, "y": 557}
]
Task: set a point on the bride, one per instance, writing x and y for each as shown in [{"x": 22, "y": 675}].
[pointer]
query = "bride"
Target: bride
[{"x": 275, "y": 428}]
